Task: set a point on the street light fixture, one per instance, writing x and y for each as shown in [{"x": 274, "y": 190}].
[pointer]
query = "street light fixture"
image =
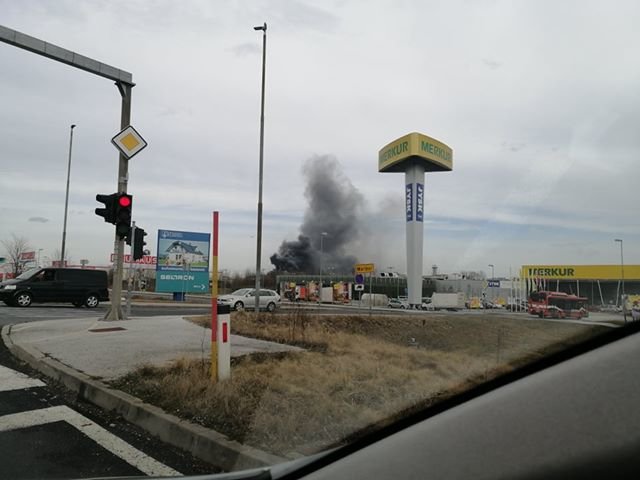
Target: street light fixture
[
  {"x": 397, "y": 281},
  {"x": 322, "y": 235},
  {"x": 260, "y": 173},
  {"x": 66, "y": 198},
  {"x": 493, "y": 296},
  {"x": 624, "y": 312}
]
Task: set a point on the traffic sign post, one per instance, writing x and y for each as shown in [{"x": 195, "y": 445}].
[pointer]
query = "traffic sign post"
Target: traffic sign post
[
  {"x": 361, "y": 269},
  {"x": 370, "y": 291},
  {"x": 115, "y": 311}
]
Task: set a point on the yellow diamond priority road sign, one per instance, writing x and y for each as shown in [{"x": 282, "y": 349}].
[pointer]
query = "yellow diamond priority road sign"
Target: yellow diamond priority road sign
[{"x": 129, "y": 142}]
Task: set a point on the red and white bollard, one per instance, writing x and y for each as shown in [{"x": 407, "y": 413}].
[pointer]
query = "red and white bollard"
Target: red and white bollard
[{"x": 223, "y": 341}]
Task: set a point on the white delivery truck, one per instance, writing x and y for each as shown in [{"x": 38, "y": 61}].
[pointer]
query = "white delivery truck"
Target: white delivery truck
[
  {"x": 326, "y": 295},
  {"x": 447, "y": 301}
]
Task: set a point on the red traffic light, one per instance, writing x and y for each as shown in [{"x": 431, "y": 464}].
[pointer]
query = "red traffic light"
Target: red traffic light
[{"x": 124, "y": 201}]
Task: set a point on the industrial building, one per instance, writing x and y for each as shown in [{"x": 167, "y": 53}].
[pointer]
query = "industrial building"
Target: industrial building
[{"x": 602, "y": 285}]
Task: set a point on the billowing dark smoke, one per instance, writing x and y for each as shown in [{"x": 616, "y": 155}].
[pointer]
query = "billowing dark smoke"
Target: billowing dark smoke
[
  {"x": 295, "y": 256},
  {"x": 334, "y": 208}
]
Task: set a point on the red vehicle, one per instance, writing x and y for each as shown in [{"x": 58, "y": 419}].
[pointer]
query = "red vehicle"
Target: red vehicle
[{"x": 557, "y": 305}]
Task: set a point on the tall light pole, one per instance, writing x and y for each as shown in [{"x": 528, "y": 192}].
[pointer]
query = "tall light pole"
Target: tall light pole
[
  {"x": 322, "y": 235},
  {"x": 397, "y": 281},
  {"x": 492, "y": 277},
  {"x": 66, "y": 199},
  {"x": 259, "y": 232},
  {"x": 624, "y": 312}
]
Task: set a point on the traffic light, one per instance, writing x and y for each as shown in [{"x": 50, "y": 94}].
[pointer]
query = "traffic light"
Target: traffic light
[
  {"x": 123, "y": 205},
  {"x": 137, "y": 249},
  {"x": 109, "y": 210}
]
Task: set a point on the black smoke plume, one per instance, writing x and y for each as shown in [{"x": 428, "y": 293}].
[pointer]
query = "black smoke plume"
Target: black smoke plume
[{"x": 335, "y": 209}]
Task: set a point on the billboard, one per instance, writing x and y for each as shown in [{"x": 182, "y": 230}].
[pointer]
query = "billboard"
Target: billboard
[
  {"x": 26, "y": 256},
  {"x": 581, "y": 272},
  {"x": 415, "y": 147},
  {"x": 183, "y": 261}
]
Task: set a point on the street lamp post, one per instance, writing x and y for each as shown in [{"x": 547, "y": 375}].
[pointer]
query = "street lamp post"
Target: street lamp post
[
  {"x": 397, "y": 281},
  {"x": 322, "y": 235},
  {"x": 492, "y": 278},
  {"x": 259, "y": 231},
  {"x": 622, "y": 298},
  {"x": 66, "y": 199}
]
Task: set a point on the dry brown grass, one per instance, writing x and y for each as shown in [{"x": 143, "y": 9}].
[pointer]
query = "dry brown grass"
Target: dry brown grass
[{"x": 359, "y": 372}]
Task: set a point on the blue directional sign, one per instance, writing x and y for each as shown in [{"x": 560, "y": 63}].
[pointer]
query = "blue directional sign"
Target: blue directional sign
[
  {"x": 183, "y": 261},
  {"x": 493, "y": 283},
  {"x": 419, "y": 202},
  {"x": 408, "y": 200}
]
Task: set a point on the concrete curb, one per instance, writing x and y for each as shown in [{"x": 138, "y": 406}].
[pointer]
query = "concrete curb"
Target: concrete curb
[{"x": 204, "y": 443}]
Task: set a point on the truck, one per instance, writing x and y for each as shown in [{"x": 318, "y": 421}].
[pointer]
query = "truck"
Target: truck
[
  {"x": 374, "y": 300},
  {"x": 546, "y": 304},
  {"x": 447, "y": 301}
]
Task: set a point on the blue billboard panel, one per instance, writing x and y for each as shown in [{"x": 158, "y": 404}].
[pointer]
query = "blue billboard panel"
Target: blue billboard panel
[
  {"x": 419, "y": 202},
  {"x": 408, "y": 200},
  {"x": 183, "y": 261}
]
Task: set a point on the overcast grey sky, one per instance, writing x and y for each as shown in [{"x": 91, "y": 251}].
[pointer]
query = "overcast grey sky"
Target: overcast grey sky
[{"x": 539, "y": 101}]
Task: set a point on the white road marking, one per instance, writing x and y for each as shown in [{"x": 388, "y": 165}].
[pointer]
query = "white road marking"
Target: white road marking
[
  {"x": 102, "y": 437},
  {"x": 12, "y": 380}
]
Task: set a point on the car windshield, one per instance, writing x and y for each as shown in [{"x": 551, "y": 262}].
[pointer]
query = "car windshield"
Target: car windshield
[
  {"x": 28, "y": 274},
  {"x": 427, "y": 196},
  {"x": 241, "y": 292}
]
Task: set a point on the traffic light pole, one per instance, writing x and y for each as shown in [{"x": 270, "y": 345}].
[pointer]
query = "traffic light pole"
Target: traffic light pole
[
  {"x": 115, "y": 311},
  {"x": 124, "y": 82},
  {"x": 130, "y": 276}
]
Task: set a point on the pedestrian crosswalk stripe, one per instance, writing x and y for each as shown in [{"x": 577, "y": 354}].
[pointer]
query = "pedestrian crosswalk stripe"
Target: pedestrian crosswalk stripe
[
  {"x": 102, "y": 437},
  {"x": 12, "y": 380}
]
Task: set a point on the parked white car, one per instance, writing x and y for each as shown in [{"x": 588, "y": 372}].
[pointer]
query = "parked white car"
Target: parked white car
[
  {"x": 245, "y": 299},
  {"x": 398, "y": 303}
]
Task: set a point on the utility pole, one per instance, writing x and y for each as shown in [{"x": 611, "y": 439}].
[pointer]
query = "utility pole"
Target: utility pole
[
  {"x": 322, "y": 235},
  {"x": 115, "y": 311},
  {"x": 622, "y": 298},
  {"x": 66, "y": 199},
  {"x": 260, "y": 173}
]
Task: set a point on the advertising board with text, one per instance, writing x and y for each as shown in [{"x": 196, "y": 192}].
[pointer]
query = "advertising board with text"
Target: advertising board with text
[
  {"x": 183, "y": 261},
  {"x": 147, "y": 260},
  {"x": 364, "y": 267}
]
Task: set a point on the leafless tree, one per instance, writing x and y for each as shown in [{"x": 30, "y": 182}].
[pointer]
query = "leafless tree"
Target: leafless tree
[{"x": 15, "y": 247}]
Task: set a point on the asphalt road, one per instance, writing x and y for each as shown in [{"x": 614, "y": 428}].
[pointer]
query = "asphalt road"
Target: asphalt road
[
  {"x": 37, "y": 312},
  {"x": 46, "y": 433}
]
